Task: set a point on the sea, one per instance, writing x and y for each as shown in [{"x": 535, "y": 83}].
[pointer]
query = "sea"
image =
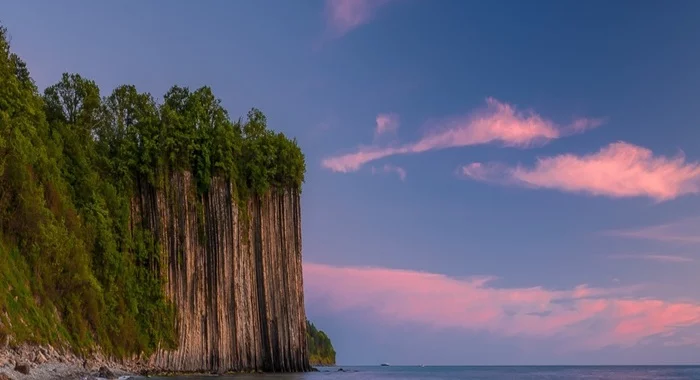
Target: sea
[{"x": 479, "y": 373}]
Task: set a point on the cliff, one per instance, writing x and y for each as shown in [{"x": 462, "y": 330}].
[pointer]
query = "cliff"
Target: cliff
[
  {"x": 137, "y": 230},
  {"x": 234, "y": 274}
]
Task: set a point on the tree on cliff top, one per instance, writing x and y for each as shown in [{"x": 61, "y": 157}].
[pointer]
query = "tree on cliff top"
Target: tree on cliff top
[
  {"x": 73, "y": 270},
  {"x": 319, "y": 346}
]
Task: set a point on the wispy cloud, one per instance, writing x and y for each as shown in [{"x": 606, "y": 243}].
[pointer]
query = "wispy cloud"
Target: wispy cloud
[
  {"x": 617, "y": 170},
  {"x": 682, "y": 231},
  {"x": 583, "y": 317},
  {"x": 386, "y": 123},
  {"x": 656, "y": 258},
  {"x": 387, "y": 168},
  {"x": 496, "y": 123},
  {"x": 342, "y": 16}
]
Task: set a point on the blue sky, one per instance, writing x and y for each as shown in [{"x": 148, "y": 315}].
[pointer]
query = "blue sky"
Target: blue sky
[{"x": 536, "y": 201}]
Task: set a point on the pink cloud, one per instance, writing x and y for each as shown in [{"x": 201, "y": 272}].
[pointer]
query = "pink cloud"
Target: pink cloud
[
  {"x": 683, "y": 231},
  {"x": 474, "y": 304},
  {"x": 401, "y": 172},
  {"x": 617, "y": 170},
  {"x": 346, "y": 15},
  {"x": 386, "y": 123},
  {"x": 496, "y": 123},
  {"x": 657, "y": 258}
]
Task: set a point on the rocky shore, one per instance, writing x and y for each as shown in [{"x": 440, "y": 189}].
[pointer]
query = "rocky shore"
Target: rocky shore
[{"x": 46, "y": 363}]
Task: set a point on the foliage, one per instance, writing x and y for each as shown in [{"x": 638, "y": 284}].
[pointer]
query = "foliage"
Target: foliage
[
  {"x": 319, "y": 346},
  {"x": 73, "y": 268}
]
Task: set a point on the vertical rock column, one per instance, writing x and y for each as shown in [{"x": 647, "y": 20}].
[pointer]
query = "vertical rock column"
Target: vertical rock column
[{"x": 234, "y": 275}]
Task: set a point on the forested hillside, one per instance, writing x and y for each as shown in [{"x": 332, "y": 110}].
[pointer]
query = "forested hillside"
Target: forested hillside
[
  {"x": 74, "y": 270},
  {"x": 320, "y": 348}
]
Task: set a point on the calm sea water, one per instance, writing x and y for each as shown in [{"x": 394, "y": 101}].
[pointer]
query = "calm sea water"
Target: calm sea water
[{"x": 483, "y": 373}]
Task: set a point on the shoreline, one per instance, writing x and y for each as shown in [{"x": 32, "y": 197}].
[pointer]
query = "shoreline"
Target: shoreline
[
  {"x": 48, "y": 363},
  {"x": 45, "y": 362}
]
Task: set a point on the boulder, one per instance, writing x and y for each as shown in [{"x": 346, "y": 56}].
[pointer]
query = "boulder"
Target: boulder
[
  {"x": 22, "y": 368},
  {"x": 106, "y": 373}
]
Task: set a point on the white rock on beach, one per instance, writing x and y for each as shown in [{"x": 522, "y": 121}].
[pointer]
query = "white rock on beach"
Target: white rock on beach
[{"x": 39, "y": 358}]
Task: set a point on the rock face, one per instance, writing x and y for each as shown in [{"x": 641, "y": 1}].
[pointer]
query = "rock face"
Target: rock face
[{"x": 234, "y": 274}]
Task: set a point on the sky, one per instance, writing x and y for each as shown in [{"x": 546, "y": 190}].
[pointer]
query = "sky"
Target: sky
[{"x": 488, "y": 182}]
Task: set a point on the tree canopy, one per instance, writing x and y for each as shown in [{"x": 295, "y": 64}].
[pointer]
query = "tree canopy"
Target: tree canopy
[{"x": 72, "y": 269}]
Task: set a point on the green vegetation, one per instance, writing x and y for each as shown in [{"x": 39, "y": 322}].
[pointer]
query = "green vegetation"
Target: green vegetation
[
  {"x": 320, "y": 348},
  {"x": 73, "y": 270}
]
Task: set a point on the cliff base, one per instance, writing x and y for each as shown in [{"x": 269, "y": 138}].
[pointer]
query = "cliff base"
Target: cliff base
[{"x": 47, "y": 363}]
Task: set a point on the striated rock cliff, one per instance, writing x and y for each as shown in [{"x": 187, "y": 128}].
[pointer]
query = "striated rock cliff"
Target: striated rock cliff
[
  {"x": 103, "y": 232},
  {"x": 234, "y": 274}
]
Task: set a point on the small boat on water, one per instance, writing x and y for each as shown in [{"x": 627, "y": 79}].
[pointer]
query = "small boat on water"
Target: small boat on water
[{"x": 385, "y": 364}]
